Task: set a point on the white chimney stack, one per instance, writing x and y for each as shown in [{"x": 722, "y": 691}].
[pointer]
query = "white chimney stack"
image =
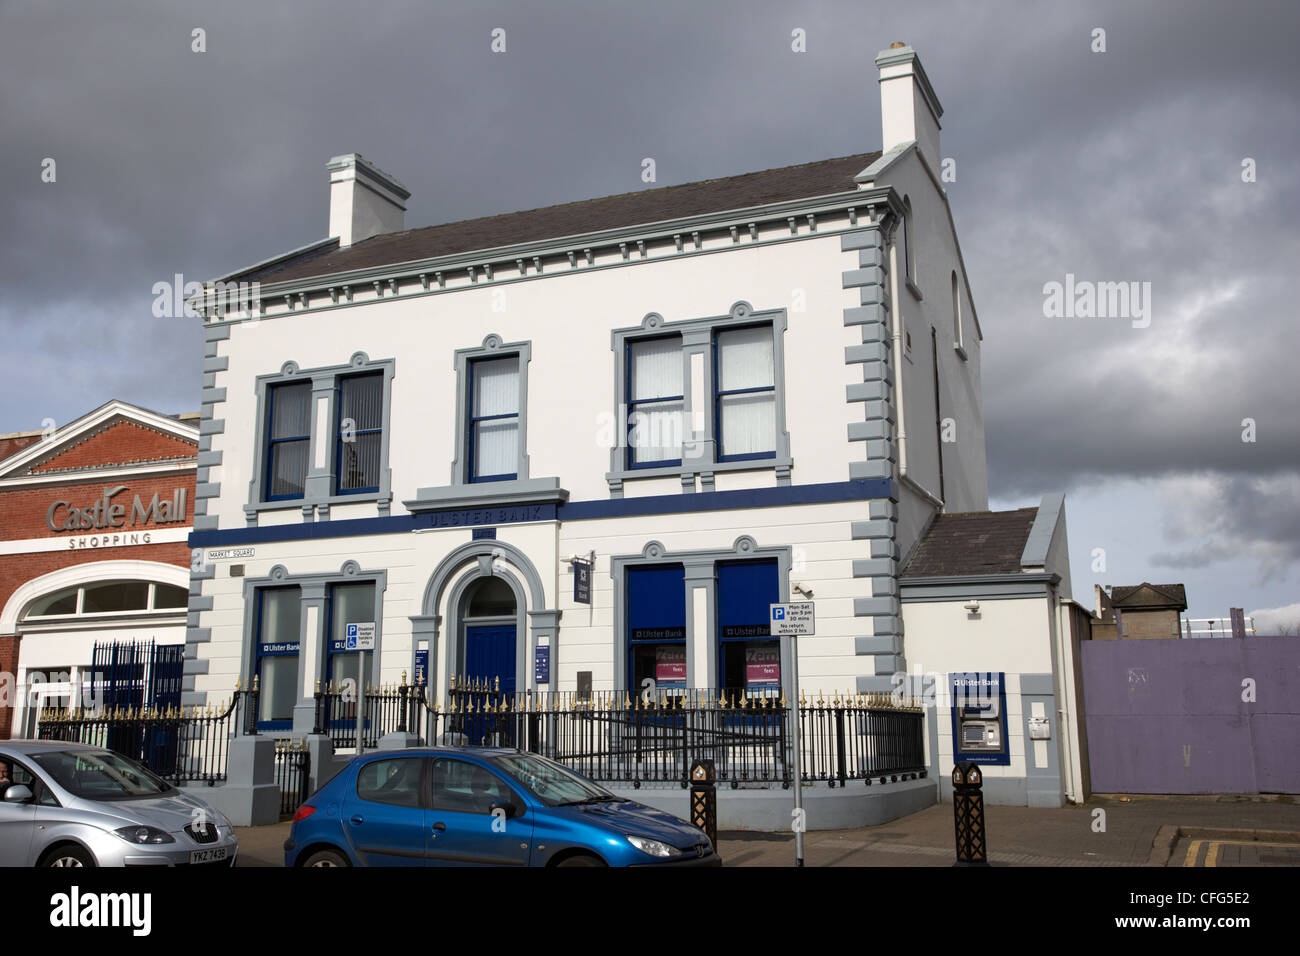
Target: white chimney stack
[
  {"x": 909, "y": 110},
  {"x": 364, "y": 200}
]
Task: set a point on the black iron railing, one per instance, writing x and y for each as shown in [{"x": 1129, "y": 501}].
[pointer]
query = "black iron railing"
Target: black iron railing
[
  {"x": 292, "y": 774},
  {"x": 618, "y": 737},
  {"x": 179, "y": 744},
  {"x": 388, "y": 709}
]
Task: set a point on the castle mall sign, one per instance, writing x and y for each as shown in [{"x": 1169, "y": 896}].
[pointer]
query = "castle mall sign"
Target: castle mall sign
[{"x": 104, "y": 513}]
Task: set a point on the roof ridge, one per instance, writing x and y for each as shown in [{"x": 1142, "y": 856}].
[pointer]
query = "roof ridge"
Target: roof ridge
[{"x": 592, "y": 199}]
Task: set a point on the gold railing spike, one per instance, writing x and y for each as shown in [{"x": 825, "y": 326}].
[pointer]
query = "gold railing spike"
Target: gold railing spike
[
  {"x": 238, "y": 683},
  {"x": 403, "y": 678},
  {"x": 257, "y": 678}
]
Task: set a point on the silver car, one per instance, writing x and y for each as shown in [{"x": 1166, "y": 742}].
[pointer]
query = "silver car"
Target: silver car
[{"x": 64, "y": 804}]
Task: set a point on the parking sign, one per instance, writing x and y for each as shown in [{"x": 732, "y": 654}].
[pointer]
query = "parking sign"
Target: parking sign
[
  {"x": 792, "y": 619},
  {"x": 360, "y": 637}
]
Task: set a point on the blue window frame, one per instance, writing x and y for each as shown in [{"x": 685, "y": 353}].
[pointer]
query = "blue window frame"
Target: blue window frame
[
  {"x": 749, "y": 658},
  {"x": 288, "y": 440},
  {"x": 656, "y": 625},
  {"x": 492, "y": 412},
  {"x": 359, "y": 435},
  {"x": 655, "y": 400},
  {"x": 277, "y": 648},
  {"x": 744, "y": 393}
]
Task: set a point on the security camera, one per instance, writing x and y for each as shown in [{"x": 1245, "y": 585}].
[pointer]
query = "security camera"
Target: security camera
[
  {"x": 972, "y": 606},
  {"x": 795, "y": 585}
]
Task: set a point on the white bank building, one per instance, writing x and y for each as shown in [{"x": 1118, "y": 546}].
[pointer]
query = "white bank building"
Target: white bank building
[{"x": 755, "y": 389}]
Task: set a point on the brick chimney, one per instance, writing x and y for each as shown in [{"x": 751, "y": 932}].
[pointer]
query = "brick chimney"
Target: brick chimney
[
  {"x": 909, "y": 110},
  {"x": 364, "y": 200}
]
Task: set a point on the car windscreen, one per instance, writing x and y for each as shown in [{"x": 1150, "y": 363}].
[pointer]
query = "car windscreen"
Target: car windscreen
[
  {"x": 550, "y": 782},
  {"x": 101, "y": 775}
]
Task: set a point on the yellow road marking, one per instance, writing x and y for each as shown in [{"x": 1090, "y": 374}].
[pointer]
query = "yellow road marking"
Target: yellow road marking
[{"x": 1212, "y": 852}]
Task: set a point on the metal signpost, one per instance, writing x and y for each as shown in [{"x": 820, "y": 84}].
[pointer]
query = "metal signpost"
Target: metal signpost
[
  {"x": 793, "y": 620},
  {"x": 360, "y": 638}
]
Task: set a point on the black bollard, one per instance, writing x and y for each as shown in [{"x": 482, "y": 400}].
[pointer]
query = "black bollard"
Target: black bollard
[
  {"x": 968, "y": 814},
  {"x": 704, "y": 800}
]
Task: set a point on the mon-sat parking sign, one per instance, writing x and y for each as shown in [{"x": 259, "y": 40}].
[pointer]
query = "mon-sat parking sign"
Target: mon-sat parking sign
[
  {"x": 792, "y": 619},
  {"x": 360, "y": 637}
]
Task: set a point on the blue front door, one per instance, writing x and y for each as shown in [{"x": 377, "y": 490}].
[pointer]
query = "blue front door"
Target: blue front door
[{"x": 490, "y": 654}]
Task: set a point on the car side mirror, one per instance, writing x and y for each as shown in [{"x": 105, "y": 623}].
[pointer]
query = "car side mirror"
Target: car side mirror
[
  {"x": 18, "y": 793},
  {"x": 511, "y": 810}
]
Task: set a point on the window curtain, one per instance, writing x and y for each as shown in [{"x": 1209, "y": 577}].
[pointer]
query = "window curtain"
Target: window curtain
[
  {"x": 290, "y": 439},
  {"x": 361, "y": 422},
  {"x": 746, "y": 392},
  {"x": 495, "y": 417},
  {"x": 655, "y": 406}
]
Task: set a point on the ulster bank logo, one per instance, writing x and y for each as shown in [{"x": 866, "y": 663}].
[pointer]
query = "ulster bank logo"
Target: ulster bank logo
[{"x": 105, "y": 513}]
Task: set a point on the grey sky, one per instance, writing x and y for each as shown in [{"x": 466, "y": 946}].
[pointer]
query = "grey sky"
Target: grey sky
[{"x": 1115, "y": 166}]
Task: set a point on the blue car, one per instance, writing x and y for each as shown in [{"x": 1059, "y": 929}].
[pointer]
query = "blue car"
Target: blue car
[{"x": 481, "y": 806}]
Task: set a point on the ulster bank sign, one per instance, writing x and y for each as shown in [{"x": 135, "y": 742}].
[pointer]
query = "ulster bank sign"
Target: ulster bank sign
[{"x": 105, "y": 513}]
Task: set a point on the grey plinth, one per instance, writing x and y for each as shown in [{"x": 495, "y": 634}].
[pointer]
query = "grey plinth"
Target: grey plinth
[
  {"x": 250, "y": 797},
  {"x": 398, "y": 740}
]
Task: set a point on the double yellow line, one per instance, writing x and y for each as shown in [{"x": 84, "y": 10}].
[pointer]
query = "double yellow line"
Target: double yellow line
[{"x": 1212, "y": 850}]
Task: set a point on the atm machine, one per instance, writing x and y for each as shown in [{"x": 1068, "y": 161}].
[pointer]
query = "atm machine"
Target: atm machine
[{"x": 979, "y": 717}]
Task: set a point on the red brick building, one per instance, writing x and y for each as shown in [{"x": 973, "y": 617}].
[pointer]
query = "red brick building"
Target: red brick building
[{"x": 94, "y": 518}]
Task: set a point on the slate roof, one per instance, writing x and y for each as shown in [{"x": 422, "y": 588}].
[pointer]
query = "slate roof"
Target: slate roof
[
  {"x": 972, "y": 542},
  {"x": 1161, "y": 596},
  {"x": 646, "y": 206}
]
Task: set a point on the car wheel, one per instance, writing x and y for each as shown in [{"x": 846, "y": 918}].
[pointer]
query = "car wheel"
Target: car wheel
[
  {"x": 326, "y": 858},
  {"x": 68, "y": 856},
  {"x": 582, "y": 860}
]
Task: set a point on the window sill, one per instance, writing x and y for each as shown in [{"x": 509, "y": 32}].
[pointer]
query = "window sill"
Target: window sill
[
  {"x": 288, "y": 504},
  {"x": 696, "y": 468}
]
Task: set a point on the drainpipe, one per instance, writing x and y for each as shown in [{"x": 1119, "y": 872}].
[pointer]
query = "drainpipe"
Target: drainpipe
[{"x": 1063, "y": 722}]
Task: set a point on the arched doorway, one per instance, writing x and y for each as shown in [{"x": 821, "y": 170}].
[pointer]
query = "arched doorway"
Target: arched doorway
[{"x": 489, "y": 629}]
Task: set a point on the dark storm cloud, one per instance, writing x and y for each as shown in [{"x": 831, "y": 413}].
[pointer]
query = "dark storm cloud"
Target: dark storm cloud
[{"x": 1123, "y": 165}]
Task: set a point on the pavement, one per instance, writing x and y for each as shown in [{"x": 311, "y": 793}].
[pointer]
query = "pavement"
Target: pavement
[{"x": 1110, "y": 830}]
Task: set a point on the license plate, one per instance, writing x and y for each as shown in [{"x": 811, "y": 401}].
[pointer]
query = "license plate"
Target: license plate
[{"x": 214, "y": 855}]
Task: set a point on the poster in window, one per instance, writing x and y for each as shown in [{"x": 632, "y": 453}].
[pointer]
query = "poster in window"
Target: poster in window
[
  {"x": 763, "y": 665},
  {"x": 670, "y": 663}
]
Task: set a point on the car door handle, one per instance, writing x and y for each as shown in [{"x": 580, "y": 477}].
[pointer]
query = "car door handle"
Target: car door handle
[
  {"x": 357, "y": 820},
  {"x": 439, "y": 828}
]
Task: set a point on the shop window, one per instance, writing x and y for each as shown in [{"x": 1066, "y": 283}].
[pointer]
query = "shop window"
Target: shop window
[
  {"x": 656, "y": 626},
  {"x": 492, "y": 429},
  {"x": 349, "y": 604},
  {"x": 749, "y": 658},
  {"x": 278, "y": 643},
  {"x": 744, "y": 399},
  {"x": 60, "y": 602},
  {"x": 655, "y": 402},
  {"x": 359, "y": 444},
  {"x": 116, "y": 596}
]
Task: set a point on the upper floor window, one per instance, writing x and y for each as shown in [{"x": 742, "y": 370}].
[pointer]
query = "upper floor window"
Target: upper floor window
[
  {"x": 655, "y": 401},
  {"x": 701, "y": 396},
  {"x": 322, "y": 436},
  {"x": 288, "y": 440},
  {"x": 493, "y": 424},
  {"x": 108, "y": 597},
  {"x": 360, "y": 433},
  {"x": 745, "y": 393}
]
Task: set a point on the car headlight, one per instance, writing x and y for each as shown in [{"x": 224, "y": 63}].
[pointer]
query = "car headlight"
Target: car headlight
[
  {"x": 143, "y": 834},
  {"x": 653, "y": 847}
]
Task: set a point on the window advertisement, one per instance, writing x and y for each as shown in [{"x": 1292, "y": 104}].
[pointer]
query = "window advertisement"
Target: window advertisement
[
  {"x": 656, "y": 625},
  {"x": 979, "y": 717},
  {"x": 748, "y": 655}
]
